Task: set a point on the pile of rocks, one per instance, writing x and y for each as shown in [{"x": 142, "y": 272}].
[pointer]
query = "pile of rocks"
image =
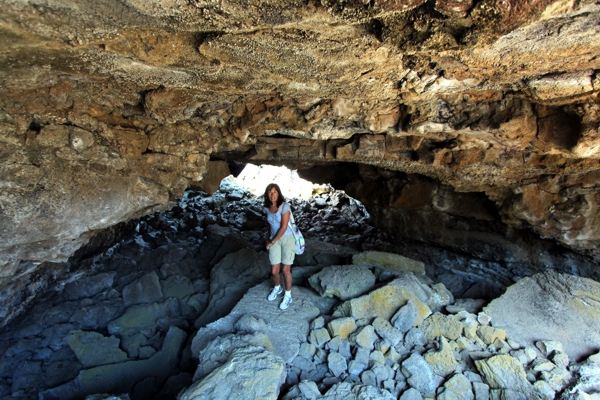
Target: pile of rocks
[
  {"x": 179, "y": 310},
  {"x": 404, "y": 339},
  {"x": 122, "y": 322}
]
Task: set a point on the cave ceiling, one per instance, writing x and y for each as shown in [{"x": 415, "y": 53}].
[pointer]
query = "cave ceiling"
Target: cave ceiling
[{"x": 110, "y": 109}]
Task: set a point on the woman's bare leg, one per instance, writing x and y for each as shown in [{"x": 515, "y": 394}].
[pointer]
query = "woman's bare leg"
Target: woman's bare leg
[
  {"x": 275, "y": 273},
  {"x": 287, "y": 276}
]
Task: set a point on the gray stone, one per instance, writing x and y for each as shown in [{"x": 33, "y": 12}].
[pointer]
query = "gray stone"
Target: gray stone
[
  {"x": 405, "y": 318},
  {"x": 93, "y": 349},
  {"x": 198, "y": 301},
  {"x": 385, "y": 301},
  {"x": 178, "y": 286},
  {"x": 342, "y": 327},
  {"x": 442, "y": 361},
  {"x": 249, "y": 373},
  {"x": 145, "y": 290},
  {"x": 320, "y": 356},
  {"x": 307, "y": 350},
  {"x": 414, "y": 337},
  {"x": 411, "y": 394},
  {"x": 363, "y": 355},
  {"x": 382, "y": 345},
  {"x": 309, "y": 390},
  {"x": 555, "y": 304},
  {"x": 343, "y": 281},
  {"x": 143, "y": 316},
  {"x": 369, "y": 378},
  {"x": 146, "y": 352},
  {"x": 507, "y": 394},
  {"x": 60, "y": 372},
  {"x": 305, "y": 390},
  {"x": 248, "y": 267},
  {"x": 439, "y": 324},
  {"x": 345, "y": 349},
  {"x": 345, "y": 390},
  {"x": 481, "y": 391},
  {"x": 472, "y": 306},
  {"x": 174, "y": 385},
  {"x": 394, "y": 263},
  {"x": 355, "y": 367},
  {"x": 131, "y": 344},
  {"x": 376, "y": 357},
  {"x": 544, "y": 390},
  {"x": 381, "y": 373},
  {"x": 337, "y": 364},
  {"x": 317, "y": 323},
  {"x": 303, "y": 364},
  {"x": 387, "y": 331},
  {"x": 504, "y": 372},
  {"x": 558, "y": 378},
  {"x": 218, "y": 351},
  {"x": 560, "y": 359},
  {"x": 420, "y": 374},
  {"x": 98, "y": 316},
  {"x": 286, "y": 329},
  {"x": 319, "y": 337},
  {"x": 121, "y": 378},
  {"x": 334, "y": 344},
  {"x": 460, "y": 386},
  {"x": 90, "y": 286},
  {"x": 365, "y": 337}
]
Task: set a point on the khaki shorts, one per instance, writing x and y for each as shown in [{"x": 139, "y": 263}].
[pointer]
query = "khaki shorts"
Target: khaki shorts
[{"x": 283, "y": 251}]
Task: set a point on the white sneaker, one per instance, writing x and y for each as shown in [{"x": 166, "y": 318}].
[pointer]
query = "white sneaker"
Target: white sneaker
[
  {"x": 273, "y": 295},
  {"x": 285, "y": 303}
]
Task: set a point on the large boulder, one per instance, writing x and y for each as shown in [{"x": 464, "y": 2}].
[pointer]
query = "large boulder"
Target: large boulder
[
  {"x": 505, "y": 373},
  {"x": 286, "y": 329},
  {"x": 343, "y": 281},
  {"x": 387, "y": 300},
  {"x": 393, "y": 263},
  {"x": 249, "y": 373},
  {"x": 551, "y": 306},
  {"x": 122, "y": 377},
  {"x": 221, "y": 348},
  {"x": 93, "y": 349},
  {"x": 230, "y": 279}
]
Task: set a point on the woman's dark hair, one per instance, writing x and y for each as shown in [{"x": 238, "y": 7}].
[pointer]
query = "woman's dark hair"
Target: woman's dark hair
[{"x": 280, "y": 198}]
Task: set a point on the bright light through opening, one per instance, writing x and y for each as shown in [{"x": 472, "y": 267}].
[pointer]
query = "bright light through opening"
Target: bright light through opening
[{"x": 256, "y": 178}]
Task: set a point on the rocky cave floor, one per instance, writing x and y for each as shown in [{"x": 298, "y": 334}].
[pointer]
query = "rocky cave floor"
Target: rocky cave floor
[{"x": 132, "y": 322}]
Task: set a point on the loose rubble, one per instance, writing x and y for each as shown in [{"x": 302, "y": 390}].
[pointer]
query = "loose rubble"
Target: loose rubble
[{"x": 179, "y": 311}]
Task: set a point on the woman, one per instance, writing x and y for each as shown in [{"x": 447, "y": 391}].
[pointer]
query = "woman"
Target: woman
[{"x": 281, "y": 244}]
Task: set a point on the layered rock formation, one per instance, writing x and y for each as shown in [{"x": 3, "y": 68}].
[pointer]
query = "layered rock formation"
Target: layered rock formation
[{"x": 475, "y": 124}]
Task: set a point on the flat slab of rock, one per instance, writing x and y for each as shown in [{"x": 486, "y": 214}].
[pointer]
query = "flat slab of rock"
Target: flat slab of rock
[
  {"x": 121, "y": 377},
  {"x": 285, "y": 328},
  {"x": 94, "y": 349},
  {"x": 230, "y": 279},
  {"x": 551, "y": 306},
  {"x": 392, "y": 262},
  {"x": 343, "y": 281},
  {"x": 249, "y": 373}
]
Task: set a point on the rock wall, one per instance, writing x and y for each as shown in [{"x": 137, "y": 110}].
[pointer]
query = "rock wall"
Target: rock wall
[{"x": 109, "y": 111}]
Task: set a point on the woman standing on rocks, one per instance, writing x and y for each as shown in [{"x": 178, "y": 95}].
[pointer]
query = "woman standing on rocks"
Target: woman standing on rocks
[{"x": 281, "y": 245}]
